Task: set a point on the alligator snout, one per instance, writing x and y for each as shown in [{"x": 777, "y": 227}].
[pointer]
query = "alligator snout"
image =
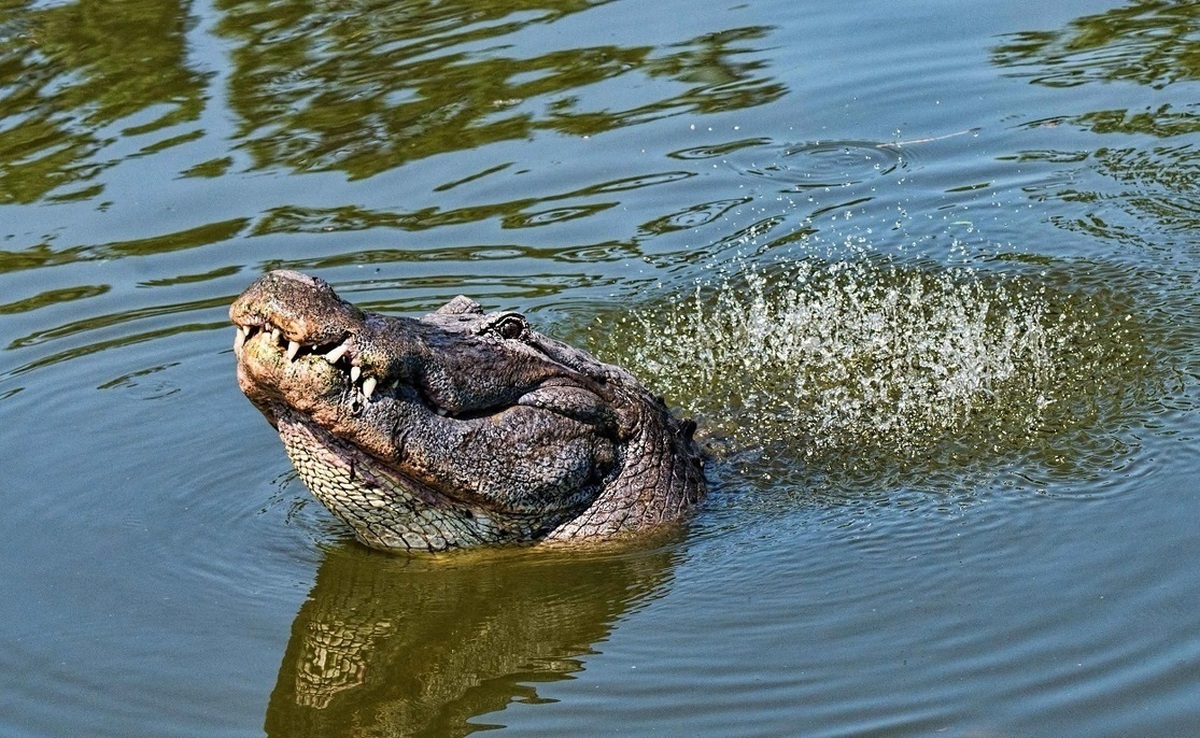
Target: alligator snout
[{"x": 303, "y": 309}]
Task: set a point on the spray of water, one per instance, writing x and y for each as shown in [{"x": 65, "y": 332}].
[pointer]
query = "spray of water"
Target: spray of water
[{"x": 859, "y": 362}]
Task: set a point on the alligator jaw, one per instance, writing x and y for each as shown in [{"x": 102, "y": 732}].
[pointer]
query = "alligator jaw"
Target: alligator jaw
[{"x": 386, "y": 508}]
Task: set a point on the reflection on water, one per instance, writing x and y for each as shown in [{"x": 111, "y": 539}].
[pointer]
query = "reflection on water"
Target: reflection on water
[
  {"x": 1147, "y": 42},
  {"x": 390, "y": 646},
  {"x": 97, "y": 93},
  {"x": 69, "y": 71},
  {"x": 366, "y": 86}
]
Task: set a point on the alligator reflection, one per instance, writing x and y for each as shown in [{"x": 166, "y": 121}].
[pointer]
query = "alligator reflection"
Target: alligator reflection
[{"x": 397, "y": 646}]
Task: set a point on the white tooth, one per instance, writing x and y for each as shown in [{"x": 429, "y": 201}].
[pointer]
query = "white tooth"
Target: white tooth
[
  {"x": 293, "y": 349},
  {"x": 239, "y": 340},
  {"x": 369, "y": 387},
  {"x": 442, "y": 411},
  {"x": 355, "y": 373},
  {"x": 334, "y": 356},
  {"x": 275, "y": 334}
]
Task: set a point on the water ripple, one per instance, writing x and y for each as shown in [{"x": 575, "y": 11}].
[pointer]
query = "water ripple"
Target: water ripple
[
  {"x": 715, "y": 151},
  {"x": 694, "y": 216},
  {"x": 633, "y": 183},
  {"x": 554, "y": 215},
  {"x": 829, "y": 164}
]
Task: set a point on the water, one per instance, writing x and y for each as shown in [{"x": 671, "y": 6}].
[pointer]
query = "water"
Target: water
[{"x": 928, "y": 279}]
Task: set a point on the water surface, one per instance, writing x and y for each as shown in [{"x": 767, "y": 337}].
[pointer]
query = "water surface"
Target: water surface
[{"x": 927, "y": 278}]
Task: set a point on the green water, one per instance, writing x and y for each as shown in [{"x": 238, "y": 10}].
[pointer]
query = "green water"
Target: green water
[{"x": 926, "y": 275}]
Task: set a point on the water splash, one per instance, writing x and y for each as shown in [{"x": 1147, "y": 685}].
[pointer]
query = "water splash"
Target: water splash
[{"x": 869, "y": 363}]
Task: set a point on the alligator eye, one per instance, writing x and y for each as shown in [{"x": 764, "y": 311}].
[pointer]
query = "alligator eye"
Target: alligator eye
[{"x": 510, "y": 326}]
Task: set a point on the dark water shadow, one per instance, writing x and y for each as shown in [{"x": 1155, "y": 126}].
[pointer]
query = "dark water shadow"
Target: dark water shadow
[{"x": 419, "y": 647}]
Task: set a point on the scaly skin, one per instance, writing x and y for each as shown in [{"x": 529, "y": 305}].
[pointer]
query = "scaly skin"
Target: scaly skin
[{"x": 459, "y": 428}]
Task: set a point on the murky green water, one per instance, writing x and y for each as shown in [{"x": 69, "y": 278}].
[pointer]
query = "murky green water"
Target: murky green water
[{"x": 927, "y": 275}]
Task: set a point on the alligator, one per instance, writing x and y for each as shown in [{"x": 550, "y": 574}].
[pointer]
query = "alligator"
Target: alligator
[{"x": 461, "y": 428}]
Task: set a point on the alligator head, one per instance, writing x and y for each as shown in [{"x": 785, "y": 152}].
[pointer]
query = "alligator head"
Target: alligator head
[{"x": 460, "y": 428}]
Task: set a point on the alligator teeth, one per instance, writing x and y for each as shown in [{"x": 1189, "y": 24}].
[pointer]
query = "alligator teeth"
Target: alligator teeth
[
  {"x": 334, "y": 356},
  {"x": 369, "y": 387},
  {"x": 355, "y": 373},
  {"x": 293, "y": 349},
  {"x": 275, "y": 334},
  {"x": 239, "y": 340},
  {"x": 442, "y": 411}
]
